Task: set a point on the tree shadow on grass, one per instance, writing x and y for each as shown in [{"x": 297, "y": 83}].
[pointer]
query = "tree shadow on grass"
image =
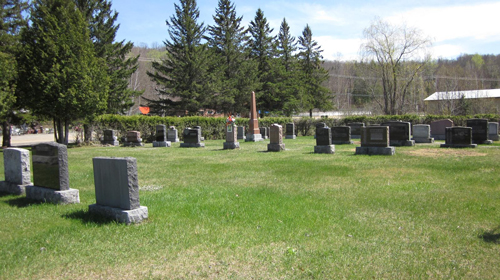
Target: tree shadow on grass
[
  {"x": 491, "y": 236},
  {"x": 22, "y": 202},
  {"x": 88, "y": 218}
]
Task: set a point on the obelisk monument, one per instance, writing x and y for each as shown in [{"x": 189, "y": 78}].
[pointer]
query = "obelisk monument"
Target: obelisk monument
[{"x": 253, "y": 134}]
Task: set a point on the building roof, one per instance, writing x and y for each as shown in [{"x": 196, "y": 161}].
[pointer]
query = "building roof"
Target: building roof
[{"x": 467, "y": 94}]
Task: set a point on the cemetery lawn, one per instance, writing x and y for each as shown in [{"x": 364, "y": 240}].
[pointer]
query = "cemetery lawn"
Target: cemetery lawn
[{"x": 426, "y": 212}]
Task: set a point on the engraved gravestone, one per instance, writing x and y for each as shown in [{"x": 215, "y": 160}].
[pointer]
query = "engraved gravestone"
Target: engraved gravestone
[
  {"x": 438, "y": 128},
  {"x": 341, "y": 135},
  {"x": 422, "y": 133},
  {"x": 172, "y": 135},
  {"x": 241, "y": 133},
  {"x": 253, "y": 134},
  {"x": 479, "y": 131},
  {"x": 399, "y": 133},
  {"x": 290, "y": 131},
  {"x": 493, "y": 131},
  {"x": 133, "y": 139},
  {"x": 231, "y": 137},
  {"x": 192, "y": 138},
  {"x": 375, "y": 141},
  {"x": 50, "y": 175},
  {"x": 324, "y": 141},
  {"x": 356, "y": 129},
  {"x": 109, "y": 138},
  {"x": 16, "y": 170},
  {"x": 317, "y": 126},
  {"x": 117, "y": 190},
  {"x": 276, "y": 139},
  {"x": 458, "y": 137},
  {"x": 264, "y": 132},
  {"x": 161, "y": 137}
]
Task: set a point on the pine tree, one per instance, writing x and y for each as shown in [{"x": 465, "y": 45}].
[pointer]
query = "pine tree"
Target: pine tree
[
  {"x": 227, "y": 39},
  {"x": 314, "y": 94},
  {"x": 62, "y": 77},
  {"x": 182, "y": 76},
  {"x": 12, "y": 21}
]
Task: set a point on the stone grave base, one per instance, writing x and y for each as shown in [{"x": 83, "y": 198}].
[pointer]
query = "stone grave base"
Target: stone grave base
[
  {"x": 112, "y": 143},
  {"x": 8, "y": 187},
  {"x": 290, "y": 137},
  {"x": 231, "y": 145},
  {"x": 402, "y": 143},
  {"x": 487, "y": 142},
  {"x": 493, "y": 137},
  {"x": 192, "y": 145},
  {"x": 162, "y": 144},
  {"x": 385, "y": 151},
  {"x": 458, "y": 146},
  {"x": 438, "y": 136},
  {"x": 342, "y": 142},
  {"x": 52, "y": 196},
  {"x": 326, "y": 149},
  {"x": 120, "y": 215},
  {"x": 423, "y": 140},
  {"x": 275, "y": 147},
  {"x": 254, "y": 138},
  {"x": 132, "y": 144}
]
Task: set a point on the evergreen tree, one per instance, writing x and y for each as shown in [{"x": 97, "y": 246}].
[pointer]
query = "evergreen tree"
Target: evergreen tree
[
  {"x": 182, "y": 76},
  {"x": 12, "y": 21},
  {"x": 62, "y": 77},
  {"x": 227, "y": 39},
  {"x": 314, "y": 94}
]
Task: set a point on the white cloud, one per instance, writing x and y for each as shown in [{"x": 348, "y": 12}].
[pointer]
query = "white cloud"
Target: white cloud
[
  {"x": 446, "y": 51},
  {"x": 339, "y": 49}
]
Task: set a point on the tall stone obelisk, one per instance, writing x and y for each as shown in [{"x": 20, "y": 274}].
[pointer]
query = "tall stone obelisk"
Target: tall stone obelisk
[{"x": 253, "y": 134}]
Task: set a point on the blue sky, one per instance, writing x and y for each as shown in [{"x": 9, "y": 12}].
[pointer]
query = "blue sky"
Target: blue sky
[{"x": 455, "y": 27}]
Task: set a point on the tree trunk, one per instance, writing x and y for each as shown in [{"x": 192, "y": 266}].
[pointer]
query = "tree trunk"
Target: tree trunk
[
  {"x": 88, "y": 130},
  {"x": 55, "y": 130},
  {"x": 66, "y": 132},
  {"x": 6, "y": 134},
  {"x": 310, "y": 113}
]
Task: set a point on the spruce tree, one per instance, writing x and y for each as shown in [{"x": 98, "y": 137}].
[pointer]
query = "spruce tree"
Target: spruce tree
[
  {"x": 62, "y": 77},
  {"x": 182, "y": 76},
  {"x": 314, "y": 94}
]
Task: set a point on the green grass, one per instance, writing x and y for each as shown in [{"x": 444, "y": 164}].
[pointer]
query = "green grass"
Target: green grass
[{"x": 425, "y": 212}]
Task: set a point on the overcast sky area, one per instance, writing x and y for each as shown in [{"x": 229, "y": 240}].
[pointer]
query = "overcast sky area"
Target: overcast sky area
[{"x": 455, "y": 27}]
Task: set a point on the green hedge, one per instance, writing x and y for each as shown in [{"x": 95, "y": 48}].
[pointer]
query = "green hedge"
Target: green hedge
[{"x": 213, "y": 128}]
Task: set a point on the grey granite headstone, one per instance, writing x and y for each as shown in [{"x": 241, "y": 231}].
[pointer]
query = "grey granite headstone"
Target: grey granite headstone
[
  {"x": 264, "y": 132},
  {"x": 422, "y": 133},
  {"x": 341, "y": 135},
  {"x": 324, "y": 141},
  {"x": 479, "y": 131},
  {"x": 192, "y": 138},
  {"x": 173, "y": 135},
  {"x": 458, "y": 137},
  {"x": 493, "y": 131},
  {"x": 117, "y": 190},
  {"x": 375, "y": 141},
  {"x": 241, "y": 133},
  {"x": 276, "y": 139},
  {"x": 50, "y": 175},
  {"x": 109, "y": 138},
  {"x": 231, "y": 137},
  {"x": 438, "y": 128},
  {"x": 161, "y": 137},
  {"x": 356, "y": 129},
  {"x": 290, "y": 131},
  {"x": 16, "y": 170},
  {"x": 399, "y": 133}
]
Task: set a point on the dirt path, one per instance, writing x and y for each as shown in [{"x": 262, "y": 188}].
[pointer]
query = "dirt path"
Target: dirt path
[{"x": 32, "y": 139}]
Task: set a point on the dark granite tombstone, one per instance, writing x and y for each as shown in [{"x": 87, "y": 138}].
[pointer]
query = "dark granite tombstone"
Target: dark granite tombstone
[
  {"x": 399, "y": 133},
  {"x": 50, "y": 175},
  {"x": 161, "y": 137},
  {"x": 438, "y": 128},
  {"x": 109, "y": 138},
  {"x": 241, "y": 133},
  {"x": 479, "y": 131},
  {"x": 117, "y": 190},
  {"x": 341, "y": 135},
  {"x": 192, "y": 138},
  {"x": 264, "y": 132},
  {"x": 458, "y": 137},
  {"x": 493, "y": 131},
  {"x": 290, "y": 131},
  {"x": 231, "y": 137},
  {"x": 356, "y": 129},
  {"x": 317, "y": 126},
  {"x": 375, "y": 141},
  {"x": 324, "y": 141},
  {"x": 276, "y": 139}
]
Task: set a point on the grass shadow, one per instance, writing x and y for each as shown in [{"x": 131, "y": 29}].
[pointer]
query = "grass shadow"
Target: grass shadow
[
  {"x": 492, "y": 236},
  {"x": 22, "y": 202},
  {"x": 88, "y": 218}
]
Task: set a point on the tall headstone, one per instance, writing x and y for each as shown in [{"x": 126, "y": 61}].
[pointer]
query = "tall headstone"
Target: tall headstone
[
  {"x": 50, "y": 175},
  {"x": 375, "y": 141},
  {"x": 241, "y": 133},
  {"x": 161, "y": 137},
  {"x": 192, "y": 138},
  {"x": 253, "y": 134},
  {"x": 231, "y": 137},
  {"x": 458, "y": 137},
  {"x": 117, "y": 190},
  {"x": 341, "y": 135},
  {"x": 317, "y": 126},
  {"x": 16, "y": 164},
  {"x": 479, "y": 131},
  {"x": 276, "y": 139},
  {"x": 324, "y": 141},
  {"x": 399, "y": 133},
  {"x": 133, "y": 139},
  {"x": 172, "y": 135},
  {"x": 438, "y": 128},
  {"x": 109, "y": 138},
  {"x": 290, "y": 131},
  {"x": 422, "y": 133},
  {"x": 493, "y": 131},
  {"x": 264, "y": 132},
  {"x": 356, "y": 129}
]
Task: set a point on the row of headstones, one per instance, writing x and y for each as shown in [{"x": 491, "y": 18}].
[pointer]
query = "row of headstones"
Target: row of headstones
[
  {"x": 115, "y": 179},
  {"x": 163, "y": 138},
  {"x": 265, "y": 131}
]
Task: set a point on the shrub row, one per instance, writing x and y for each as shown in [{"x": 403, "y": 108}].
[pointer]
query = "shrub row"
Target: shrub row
[{"x": 213, "y": 128}]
